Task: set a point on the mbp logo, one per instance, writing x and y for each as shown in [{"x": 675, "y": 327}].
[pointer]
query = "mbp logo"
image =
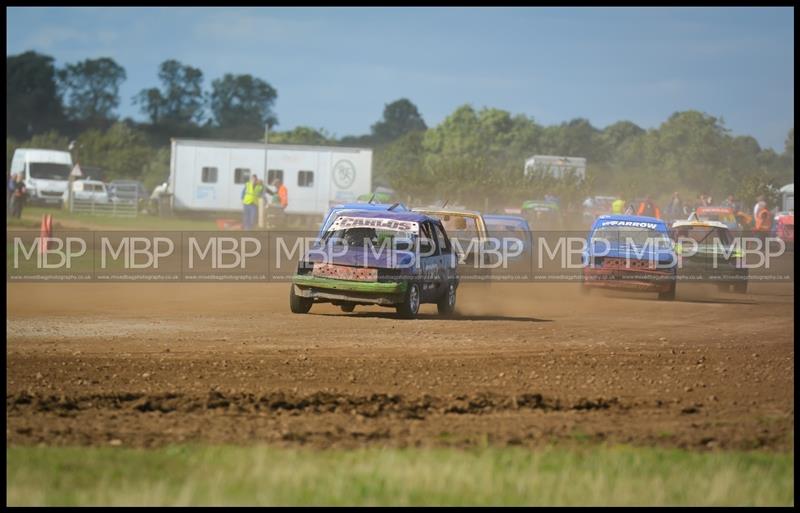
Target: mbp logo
[
  {"x": 225, "y": 252},
  {"x": 136, "y": 252},
  {"x": 51, "y": 252}
]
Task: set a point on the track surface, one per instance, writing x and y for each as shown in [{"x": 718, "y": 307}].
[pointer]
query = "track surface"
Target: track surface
[{"x": 526, "y": 364}]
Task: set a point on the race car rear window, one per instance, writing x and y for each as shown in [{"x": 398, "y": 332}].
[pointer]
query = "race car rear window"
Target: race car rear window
[
  {"x": 703, "y": 234},
  {"x": 638, "y": 236}
]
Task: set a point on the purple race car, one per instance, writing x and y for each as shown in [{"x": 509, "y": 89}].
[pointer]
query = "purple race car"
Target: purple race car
[{"x": 395, "y": 259}]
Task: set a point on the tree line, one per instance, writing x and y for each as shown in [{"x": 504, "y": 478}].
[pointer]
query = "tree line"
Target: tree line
[{"x": 472, "y": 156}]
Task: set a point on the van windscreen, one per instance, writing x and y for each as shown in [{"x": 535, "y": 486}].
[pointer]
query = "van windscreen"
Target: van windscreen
[{"x": 49, "y": 170}]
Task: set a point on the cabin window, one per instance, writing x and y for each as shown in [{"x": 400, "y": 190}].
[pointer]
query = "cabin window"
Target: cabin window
[
  {"x": 209, "y": 175},
  {"x": 241, "y": 175},
  {"x": 272, "y": 174},
  {"x": 305, "y": 179}
]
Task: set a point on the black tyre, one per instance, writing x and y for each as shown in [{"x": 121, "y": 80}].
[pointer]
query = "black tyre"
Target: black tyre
[
  {"x": 299, "y": 304},
  {"x": 409, "y": 308},
  {"x": 347, "y": 308},
  {"x": 447, "y": 303}
]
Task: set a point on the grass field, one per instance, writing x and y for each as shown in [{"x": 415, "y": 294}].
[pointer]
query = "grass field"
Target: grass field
[
  {"x": 31, "y": 217},
  {"x": 222, "y": 475}
]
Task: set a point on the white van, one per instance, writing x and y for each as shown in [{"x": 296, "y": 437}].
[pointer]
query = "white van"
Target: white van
[{"x": 45, "y": 172}]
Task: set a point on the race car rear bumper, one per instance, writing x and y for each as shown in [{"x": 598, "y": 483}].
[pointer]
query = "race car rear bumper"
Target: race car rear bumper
[{"x": 629, "y": 279}]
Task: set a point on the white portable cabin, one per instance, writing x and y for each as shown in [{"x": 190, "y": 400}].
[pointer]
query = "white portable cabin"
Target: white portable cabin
[
  {"x": 210, "y": 175},
  {"x": 556, "y": 166},
  {"x": 787, "y": 198}
]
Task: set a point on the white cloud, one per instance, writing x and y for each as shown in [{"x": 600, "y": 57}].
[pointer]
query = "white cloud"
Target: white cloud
[
  {"x": 49, "y": 37},
  {"x": 252, "y": 28}
]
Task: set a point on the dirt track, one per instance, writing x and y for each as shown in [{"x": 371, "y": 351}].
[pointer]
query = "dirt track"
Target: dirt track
[{"x": 525, "y": 364}]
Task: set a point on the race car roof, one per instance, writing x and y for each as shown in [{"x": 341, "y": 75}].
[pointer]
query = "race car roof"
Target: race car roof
[
  {"x": 389, "y": 214},
  {"x": 495, "y": 219},
  {"x": 715, "y": 224},
  {"x": 623, "y": 220},
  {"x": 503, "y": 217},
  {"x": 714, "y": 209},
  {"x": 447, "y": 211},
  {"x": 398, "y": 207},
  {"x": 630, "y": 218}
]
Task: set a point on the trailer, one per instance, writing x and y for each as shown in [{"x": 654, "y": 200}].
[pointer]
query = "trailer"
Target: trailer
[
  {"x": 556, "y": 167},
  {"x": 787, "y": 198},
  {"x": 209, "y": 176}
]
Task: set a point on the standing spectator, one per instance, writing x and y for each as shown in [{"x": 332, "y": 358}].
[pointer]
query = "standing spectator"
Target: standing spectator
[
  {"x": 648, "y": 208},
  {"x": 763, "y": 220},
  {"x": 250, "y": 194},
  {"x": 283, "y": 193},
  {"x": 10, "y": 191},
  {"x": 618, "y": 205},
  {"x": 675, "y": 208},
  {"x": 18, "y": 197},
  {"x": 759, "y": 201},
  {"x": 732, "y": 203}
]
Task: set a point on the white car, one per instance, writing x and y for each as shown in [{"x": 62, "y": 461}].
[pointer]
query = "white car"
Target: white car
[{"x": 93, "y": 191}]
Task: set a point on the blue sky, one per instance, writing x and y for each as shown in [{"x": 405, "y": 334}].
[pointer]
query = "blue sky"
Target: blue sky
[{"x": 336, "y": 68}]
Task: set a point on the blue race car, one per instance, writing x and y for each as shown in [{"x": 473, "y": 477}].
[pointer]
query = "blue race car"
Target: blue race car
[
  {"x": 396, "y": 259},
  {"x": 632, "y": 253},
  {"x": 336, "y": 210},
  {"x": 511, "y": 227}
]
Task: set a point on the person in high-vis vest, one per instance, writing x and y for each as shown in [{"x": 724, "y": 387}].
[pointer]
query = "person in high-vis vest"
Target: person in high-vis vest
[
  {"x": 283, "y": 194},
  {"x": 250, "y": 195},
  {"x": 618, "y": 205},
  {"x": 648, "y": 208}
]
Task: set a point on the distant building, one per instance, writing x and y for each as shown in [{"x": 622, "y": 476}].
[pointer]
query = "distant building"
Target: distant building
[{"x": 557, "y": 167}]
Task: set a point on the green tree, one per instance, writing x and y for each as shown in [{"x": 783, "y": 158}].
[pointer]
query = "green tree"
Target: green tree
[
  {"x": 91, "y": 88},
  {"x": 302, "y": 135},
  {"x": 401, "y": 165},
  {"x": 156, "y": 170},
  {"x": 243, "y": 102},
  {"x": 121, "y": 151},
  {"x": 180, "y": 99},
  {"x": 32, "y": 102},
  {"x": 399, "y": 118}
]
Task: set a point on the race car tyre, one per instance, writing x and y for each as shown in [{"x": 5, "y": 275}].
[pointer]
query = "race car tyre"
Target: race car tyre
[
  {"x": 447, "y": 303},
  {"x": 409, "y": 308},
  {"x": 348, "y": 307},
  {"x": 298, "y": 304},
  {"x": 668, "y": 295}
]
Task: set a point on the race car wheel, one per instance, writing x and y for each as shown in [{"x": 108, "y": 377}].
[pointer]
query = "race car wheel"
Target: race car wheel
[
  {"x": 447, "y": 303},
  {"x": 668, "y": 295},
  {"x": 409, "y": 308},
  {"x": 349, "y": 307},
  {"x": 298, "y": 304}
]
